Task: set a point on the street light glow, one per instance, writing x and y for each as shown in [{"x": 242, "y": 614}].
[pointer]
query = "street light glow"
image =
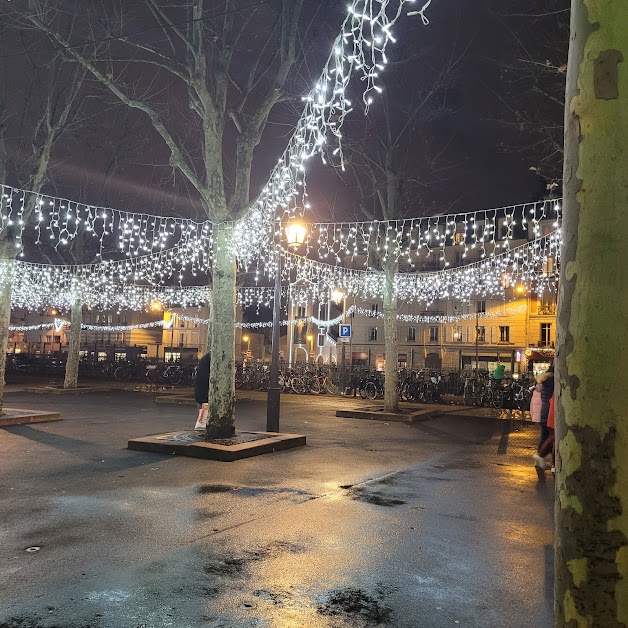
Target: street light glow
[{"x": 295, "y": 234}]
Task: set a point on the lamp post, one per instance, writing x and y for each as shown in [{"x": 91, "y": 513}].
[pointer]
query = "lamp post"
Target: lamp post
[
  {"x": 248, "y": 343},
  {"x": 337, "y": 296},
  {"x": 295, "y": 236}
]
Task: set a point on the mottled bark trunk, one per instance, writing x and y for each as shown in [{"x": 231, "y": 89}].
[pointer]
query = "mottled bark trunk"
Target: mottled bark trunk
[
  {"x": 391, "y": 398},
  {"x": 221, "y": 416},
  {"x": 591, "y": 553},
  {"x": 72, "y": 364},
  {"x": 210, "y": 325},
  {"x": 6, "y": 282}
]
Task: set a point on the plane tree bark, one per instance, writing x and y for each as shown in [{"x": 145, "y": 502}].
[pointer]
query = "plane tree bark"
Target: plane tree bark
[{"x": 591, "y": 548}]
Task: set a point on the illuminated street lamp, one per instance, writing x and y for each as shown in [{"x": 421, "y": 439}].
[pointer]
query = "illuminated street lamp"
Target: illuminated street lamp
[
  {"x": 295, "y": 234},
  {"x": 248, "y": 343}
]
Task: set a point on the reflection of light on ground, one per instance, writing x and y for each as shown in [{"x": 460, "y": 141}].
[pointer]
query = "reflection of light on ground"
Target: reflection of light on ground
[
  {"x": 523, "y": 533},
  {"x": 115, "y": 596},
  {"x": 332, "y": 491},
  {"x": 320, "y": 559}
]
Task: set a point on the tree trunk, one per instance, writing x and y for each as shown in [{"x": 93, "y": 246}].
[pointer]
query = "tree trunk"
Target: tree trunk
[
  {"x": 210, "y": 328},
  {"x": 591, "y": 553},
  {"x": 72, "y": 365},
  {"x": 7, "y": 265},
  {"x": 221, "y": 415},
  {"x": 391, "y": 397}
]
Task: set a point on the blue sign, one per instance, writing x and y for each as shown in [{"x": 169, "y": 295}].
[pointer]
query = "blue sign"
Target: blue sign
[{"x": 345, "y": 331}]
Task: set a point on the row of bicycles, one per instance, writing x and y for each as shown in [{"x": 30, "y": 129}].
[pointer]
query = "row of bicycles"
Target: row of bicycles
[
  {"x": 165, "y": 374},
  {"x": 302, "y": 381},
  {"x": 421, "y": 386},
  {"x": 429, "y": 386},
  {"x": 424, "y": 386},
  {"x": 483, "y": 390}
]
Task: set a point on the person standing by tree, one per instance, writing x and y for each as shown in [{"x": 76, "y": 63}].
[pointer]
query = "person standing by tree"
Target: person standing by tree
[{"x": 201, "y": 381}]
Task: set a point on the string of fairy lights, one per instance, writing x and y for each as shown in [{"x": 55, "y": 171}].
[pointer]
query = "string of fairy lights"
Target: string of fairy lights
[
  {"x": 359, "y": 49},
  {"x": 116, "y": 285},
  {"x": 167, "y": 323},
  {"x": 145, "y": 259},
  {"x": 532, "y": 265}
]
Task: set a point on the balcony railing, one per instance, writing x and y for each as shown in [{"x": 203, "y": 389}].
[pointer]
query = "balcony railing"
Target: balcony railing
[{"x": 548, "y": 309}]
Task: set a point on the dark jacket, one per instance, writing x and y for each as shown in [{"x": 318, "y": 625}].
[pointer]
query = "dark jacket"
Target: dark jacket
[
  {"x": 547, "y": 392},
  {"x": 201, "y": 382}
]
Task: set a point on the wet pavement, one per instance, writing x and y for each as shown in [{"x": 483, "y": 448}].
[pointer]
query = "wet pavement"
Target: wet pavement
[{"x": 441, "y": 523}]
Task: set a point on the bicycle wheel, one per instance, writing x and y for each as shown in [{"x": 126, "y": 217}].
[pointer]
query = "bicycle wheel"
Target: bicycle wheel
[
  {"x": 314, "y": 386},
  {"x": 153, "y": 376},
  {"x": 370, "y": 390},
  {"x": 497, "y": 398},
  {"x": 175, "y": 376},
  {"x": 298, "y": 385},
  {"x": 119, "y": 374},
  {"x": 479, "y": 397}
]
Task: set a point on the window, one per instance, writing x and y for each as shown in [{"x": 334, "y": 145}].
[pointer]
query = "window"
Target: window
[
  {"x": 504, "y": 334},
  {"x": 301, "y": 311},
  {"x": 433, "y": 334},
  {"x": 481, "y": 334},
  {"x": 322, "y": 313},
  {"x": 374, "y": 309},
  {"x": 183, "y": 340},
  {"x": 56, "y": 338},
  {"x": 373, "y": 334},
  {"x": 321, "y": 340},
  {"x": 411, "y": 334},
  {"x": 546, "y": 334},
  {"x": 481, "y": 307},
  {"x": 457, "y": 334}
]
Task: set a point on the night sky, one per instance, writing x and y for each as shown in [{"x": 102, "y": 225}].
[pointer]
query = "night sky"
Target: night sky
[{"x": 484, "y": 156}]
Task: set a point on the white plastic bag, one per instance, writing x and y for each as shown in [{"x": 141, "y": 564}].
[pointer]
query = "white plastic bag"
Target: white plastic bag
[{"x": 201, "y": 421}]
